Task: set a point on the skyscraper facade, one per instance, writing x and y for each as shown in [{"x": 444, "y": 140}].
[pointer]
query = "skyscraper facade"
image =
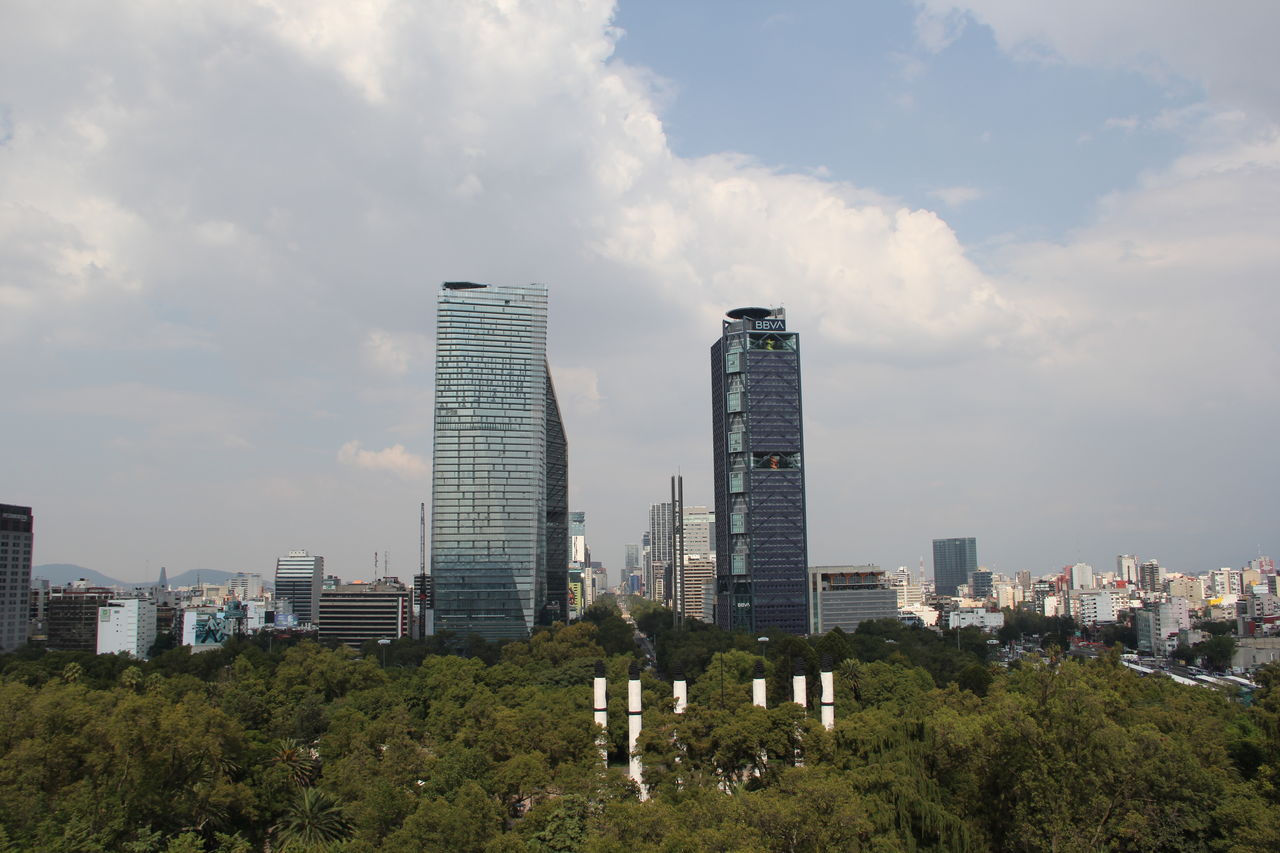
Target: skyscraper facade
[
  {"x": 699, "y": 530},
  {"x": 16, "y": 527},
  {"x": 299, "y": 578},
  {"x": 578, "y": 552},
  {"x": 499, "y": 487},
  {"x": 953, "y": 561},
  {"x": 660, "y": 557},
  {"x": 758, "y": 445}
]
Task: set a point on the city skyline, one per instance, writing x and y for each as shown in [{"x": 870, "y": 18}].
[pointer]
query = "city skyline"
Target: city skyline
[{"x": 1032, "y": 256}]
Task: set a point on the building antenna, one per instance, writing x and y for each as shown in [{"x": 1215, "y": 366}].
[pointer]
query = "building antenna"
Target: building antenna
[
  {"x": 386, "y": 564},
  {"x": 375, "y": 565}
]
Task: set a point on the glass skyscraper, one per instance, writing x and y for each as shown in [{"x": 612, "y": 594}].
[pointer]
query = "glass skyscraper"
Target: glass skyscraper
[
  {"x": 499, "y": 496},
  {"x": 299, "y": 577},
  {"x": 953, "y": 561},
  {"x": 761, "y": 551}
]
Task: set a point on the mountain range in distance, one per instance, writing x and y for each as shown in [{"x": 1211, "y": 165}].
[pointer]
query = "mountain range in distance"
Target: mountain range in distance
[{"x": 60, "y": 574}]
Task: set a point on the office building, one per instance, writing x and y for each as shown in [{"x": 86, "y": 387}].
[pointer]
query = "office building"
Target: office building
[
  {"x": 499, "y": 485},
  {"x": 976, "y": 617},
  {"x": 299, "y": 578},
  {"x": 953, "y": 561},
  {"x": 354, "y": 613},
  {"x": 1158, "y": 624},
  {"x": 658, "y": 560},
  {"x": 1082, "y": 576},
  {"x": 578, "y": 552},
  {"x": 699, "y": 531},
  {"x": 245, "y": 586},
  {"x": 1127, "y": 568},
  {"x": 72, "y": 617},
  {"x": 981, "y": 584},
  {"x": 1100, "y": 606},
  {"x": 16, "y": 530},
  {"x": 758, "y": 448},
  {"x": 127, "y": 626},
  {"x": 1151, "y": 576},
  {"x": 910, "y": 593},
  {"x": 842, "y": 596},
  {"x": 699, "y": 588}
]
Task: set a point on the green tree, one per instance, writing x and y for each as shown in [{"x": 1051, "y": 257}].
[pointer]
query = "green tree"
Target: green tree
[{"x": 313, "y": 818}]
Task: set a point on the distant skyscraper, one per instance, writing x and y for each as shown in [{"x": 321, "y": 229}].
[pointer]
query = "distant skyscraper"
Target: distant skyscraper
[
  {"x": 16, "y": 530},
  {"x": 1151, "y": 576},
  {"x": 631, "y": 558},
  {"x": 1081, "y": 576},
  {"x": 578, "y": 552},
  {"x": 659, "y": 556},
  {"x": 953, "y": 561},
  {"x": 299, "y": 578},
  {"x": 1127, "y": 568},
  {"x": 758, "y": 447},
  {"x": 699, "y": 530},
  {"x": 980, "y": 584},
  {"x": 499, "y": 487}
]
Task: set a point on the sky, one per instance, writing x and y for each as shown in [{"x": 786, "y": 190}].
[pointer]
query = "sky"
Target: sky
[{"x": 1030, "y": 249}]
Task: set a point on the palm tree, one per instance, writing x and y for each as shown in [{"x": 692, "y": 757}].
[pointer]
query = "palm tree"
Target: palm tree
[
  {"x": 314, "y": 818},
  {"x": 293, "y": 757}
]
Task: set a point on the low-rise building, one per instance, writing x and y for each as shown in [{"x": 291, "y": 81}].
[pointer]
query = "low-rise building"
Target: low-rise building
[
  {"x": 843, "y": 596},
  {"x": 71, "y": 617},
  {"x": 977, "y": 617},
  {"x": 353, "y": 613}
]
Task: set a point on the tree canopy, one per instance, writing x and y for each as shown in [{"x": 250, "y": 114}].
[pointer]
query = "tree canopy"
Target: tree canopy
[{"x": 458, "y": 745}]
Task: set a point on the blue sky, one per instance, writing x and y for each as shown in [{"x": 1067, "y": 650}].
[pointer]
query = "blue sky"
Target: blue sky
[
  {"x": 1029, "y": 246},
  {"x": 848, "y": 89}
]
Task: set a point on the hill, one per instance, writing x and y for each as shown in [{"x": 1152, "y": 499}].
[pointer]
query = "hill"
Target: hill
[{"x": 59, "y": 574}]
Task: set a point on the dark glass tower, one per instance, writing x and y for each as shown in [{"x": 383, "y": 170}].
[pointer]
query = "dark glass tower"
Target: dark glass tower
[
  {"x": 761, "y": 550},
  {"x": 499, "y": 496},
  {"x": 953, "y": 561}
]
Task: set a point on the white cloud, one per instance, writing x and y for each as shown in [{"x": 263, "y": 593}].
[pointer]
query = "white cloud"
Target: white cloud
[
  {"x": 394, "y": 459},
  {"x": 578, "y": 387},
  {"x": 956, "y": 196},
  {"x": 1227, "y": 50},
  {"x": 254, "y": 202},
  {"x": 392, "y": 353}
]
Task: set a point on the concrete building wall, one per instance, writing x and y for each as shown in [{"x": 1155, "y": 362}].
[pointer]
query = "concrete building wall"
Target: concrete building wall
[{"x": 126, "y": 626}]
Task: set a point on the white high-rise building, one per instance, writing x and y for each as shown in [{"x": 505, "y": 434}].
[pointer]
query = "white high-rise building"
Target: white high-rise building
[
  {"x": 1081, "y": 576},
  {"x": 245, "y": 586},
  {"x": 699, "y": 587},
  {"x": 127, "y": 626},
  {"x": 910, "y": 593},
  {"x": 699, "y": 531},
  {"x": 299, "y": 578},
  {"x": 1127, "y": 568},
  {"x": 1225, "y": 581},
  {"x": 1101, "y": 606}
]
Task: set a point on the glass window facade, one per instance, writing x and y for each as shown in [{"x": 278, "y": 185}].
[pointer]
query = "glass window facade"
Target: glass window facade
[
  {"x": 499, "y": 512},
  {"x": 758, "y": 445},
  {"x": 953, "y": 561}
]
